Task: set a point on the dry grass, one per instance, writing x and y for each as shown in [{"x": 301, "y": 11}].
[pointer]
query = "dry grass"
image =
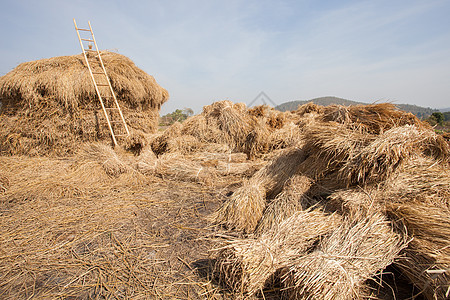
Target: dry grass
[
  {"x": 374, "y": 118},
  {"x": 78, "y": 228},
  {"x": 66, "y": 79}
]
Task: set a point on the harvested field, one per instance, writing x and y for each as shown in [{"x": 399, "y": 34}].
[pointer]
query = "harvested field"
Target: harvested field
[{"x": 234, "y": 203}]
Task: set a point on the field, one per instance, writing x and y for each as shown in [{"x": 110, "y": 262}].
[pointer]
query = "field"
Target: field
[
  {"x": 262, "y": 207},
  {"x": 237, "y": 202}
]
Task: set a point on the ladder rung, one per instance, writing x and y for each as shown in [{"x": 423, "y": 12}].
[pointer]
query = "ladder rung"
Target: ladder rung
[
  {"x": 98, "y": 73},
  {"x": 121, "y": 134},
  {"x": 102, "y": 84},
  {"x": 81, "y": 29},
  {"x": 111, "y": 108},
  {"x": 87, "y": 40},
  {"x": 90, "y": 50}
]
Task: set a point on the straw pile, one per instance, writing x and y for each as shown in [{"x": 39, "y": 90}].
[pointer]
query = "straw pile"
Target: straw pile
[
  {"x": 226, "y": 125},
  {"x": 49, "y": 106},
  {"x": 384, "y": 171}
]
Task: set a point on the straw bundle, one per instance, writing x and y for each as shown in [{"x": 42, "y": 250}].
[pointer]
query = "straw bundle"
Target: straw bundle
[
  {"x": 245, "y": 265},
  {"x": 331, "y": 145},
  {"x": 257, "y": 141},
  {"x": 231, "y": 120},
  {"x": 292, "y": 198},
  {"x": 374, "y": 118},
  {"x": 353, "y": 253},
  {"x": 105, "y": 156},
  {"x": 379, "y": 159},
  {"x": 309, "y": 108},
  {"x": 287, "y": 136},
  {"x": 360, "y": 157},
  {"x": 418, "y": 199},
  {"x": 427, "y": 259},
  {"x": 50, "y": 105},
  {"x": 198, "y": 127},
  {"x": 244, "y": 209},
  {"x": 271, "y": 117}
]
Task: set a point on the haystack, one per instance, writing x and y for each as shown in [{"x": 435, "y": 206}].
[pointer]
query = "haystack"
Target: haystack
[{"x": 50, "y": 105}]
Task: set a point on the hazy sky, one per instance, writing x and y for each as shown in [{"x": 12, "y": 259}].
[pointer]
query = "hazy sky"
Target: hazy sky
[{"x": 205, "y": 51}]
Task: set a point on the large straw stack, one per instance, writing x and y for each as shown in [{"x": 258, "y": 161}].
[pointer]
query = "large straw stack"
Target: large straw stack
[{"x": 49, "y": 106}]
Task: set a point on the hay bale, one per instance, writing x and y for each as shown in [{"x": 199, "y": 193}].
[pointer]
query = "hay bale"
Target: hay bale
[
  {"x": 244, "y": 209},
  {"x": 245, "y": 265},
  {"x": 50, "y": 105},
  {"x": 342, "y": 262}
]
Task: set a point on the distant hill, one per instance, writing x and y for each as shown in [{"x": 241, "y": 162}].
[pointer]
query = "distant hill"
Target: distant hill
[
  {"x": 444, "y": 109},
  {"x": 421, "y": 112}
]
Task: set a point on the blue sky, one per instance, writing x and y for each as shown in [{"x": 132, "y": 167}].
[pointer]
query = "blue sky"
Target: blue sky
[{"x": 205, "y": 51}]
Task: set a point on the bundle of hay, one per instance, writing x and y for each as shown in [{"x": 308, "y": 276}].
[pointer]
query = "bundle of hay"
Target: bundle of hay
[
  {"x": 50, "y": 105},
  {"x": 245, "y": 207},
  {"x": 342, "y": 262},
  {"x": 245, "y": 265},
  {"x": 418, "y": 199},
  {"x": 373, "y": 118},
  {"x": 292, "y": 198}
]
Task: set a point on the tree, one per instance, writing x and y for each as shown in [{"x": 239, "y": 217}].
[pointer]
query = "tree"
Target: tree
[
  {"x": 438, "y": 117},
  {"x": 176, "y": 116}
]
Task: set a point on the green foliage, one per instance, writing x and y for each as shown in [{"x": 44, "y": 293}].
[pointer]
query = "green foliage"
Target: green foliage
[
  {"x": 438, "y": 117},
  {"x": 179, "y": 115},
  {"x": 446, "y": 116}
]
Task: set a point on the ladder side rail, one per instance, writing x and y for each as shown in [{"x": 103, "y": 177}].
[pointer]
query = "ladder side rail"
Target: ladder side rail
[
  {"x": 95, "y": 83},
  {"x": 109, "y": 82}
]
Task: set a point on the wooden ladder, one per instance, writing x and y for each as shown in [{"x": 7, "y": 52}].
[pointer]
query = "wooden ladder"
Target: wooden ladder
[{"x": 110, "y": 105}]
